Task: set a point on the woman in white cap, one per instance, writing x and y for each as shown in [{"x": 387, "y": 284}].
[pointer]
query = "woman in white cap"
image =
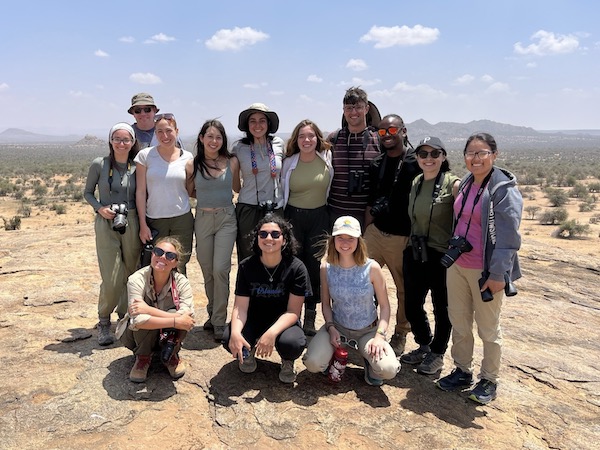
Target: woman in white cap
[
  {"x": 349, "y": 283},
  {"x": 260, "y": 155},
  {"x": 117, "y": 242}
]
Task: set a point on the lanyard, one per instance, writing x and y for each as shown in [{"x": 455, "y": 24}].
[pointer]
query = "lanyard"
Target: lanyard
[
  {"x": 477, "y": 197},
  {"x": 439, "y": 181},
  {"x": 272, "y": 166},
  {"x": 110, "y": 179}
]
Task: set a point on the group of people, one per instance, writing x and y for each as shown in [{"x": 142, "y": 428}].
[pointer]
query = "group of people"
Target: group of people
[{"x": 315, "y": 221}]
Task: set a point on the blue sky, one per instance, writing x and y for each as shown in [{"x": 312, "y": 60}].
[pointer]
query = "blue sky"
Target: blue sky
[{"x": 72, "y": 66}]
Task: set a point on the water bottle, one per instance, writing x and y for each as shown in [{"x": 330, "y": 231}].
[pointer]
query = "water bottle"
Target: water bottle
[{"x": 337, "y": 366}]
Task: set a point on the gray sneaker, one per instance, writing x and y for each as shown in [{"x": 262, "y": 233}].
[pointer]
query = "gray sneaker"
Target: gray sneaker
[
  {"x": 398, "y": 343},
  {"x": 432, "y": 364},
  {"x": 287, "y": 373},
  {"x": 417, "y": 356},
  {"x": 249, "y": 364},
  {"x": 104, "y": 336}
]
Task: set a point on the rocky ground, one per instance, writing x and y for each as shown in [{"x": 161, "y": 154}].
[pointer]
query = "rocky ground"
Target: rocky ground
[{"x": 60, "y": 390}]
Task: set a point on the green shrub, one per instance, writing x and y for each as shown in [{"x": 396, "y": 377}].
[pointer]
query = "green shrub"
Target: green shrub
[{"x": 12, "y": 224}]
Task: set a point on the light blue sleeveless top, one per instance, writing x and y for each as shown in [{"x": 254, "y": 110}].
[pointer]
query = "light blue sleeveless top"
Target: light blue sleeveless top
[{"x": 352, "y": 295}]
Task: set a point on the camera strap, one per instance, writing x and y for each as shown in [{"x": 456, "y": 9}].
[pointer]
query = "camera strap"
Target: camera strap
[
  {"x": 174, "y": 292},
  {"x": 437, "y": 188},
  {"x": 110, "y": 179},
  {"x": 272, "y": 167},
  {"x": 475, "y": 201}
]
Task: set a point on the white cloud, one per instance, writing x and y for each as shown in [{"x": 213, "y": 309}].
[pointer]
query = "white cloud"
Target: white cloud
[
  {"x": 160, "y": 38},
  {"x": 3, "y": 87},
  {"x": 487, "y": 78},
  {"x": 236, "y": 39},
  {"x": 276, "y": 93},
  {"x": 548, "y": 44},
  {"x": 306, "y": 99},
  {"x": 314, "y": 79},
  {"x": 101, "y": 53},
  {"x": 357, "y": 65},
  {"x": 531, "y": 65},
  {"x": 145, "y": 78},
  {"x": 421, "y": 89},
  {"x": 464, "y": 79},
  {"x": 498, "y": 87},
  {"x": 127, "y": 39},
  {"x": 360, "y": 82},
  {"x": 78, "y": 94},
  {"x": 385, "y": 37},
  {"x": 254, "y": 85}
]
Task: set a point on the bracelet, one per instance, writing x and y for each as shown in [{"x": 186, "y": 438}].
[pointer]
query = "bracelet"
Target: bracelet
[
  {"x": 174, "y": 323},
  {"x": 328, "y": 325},
  {"x": 381, "y": 332}
]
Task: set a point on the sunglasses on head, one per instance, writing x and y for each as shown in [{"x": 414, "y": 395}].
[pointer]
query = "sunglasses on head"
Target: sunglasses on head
[
  {"x": 424, "y": 153},
  {"x": 167, "y": 116},
  {"x": 147, "y": 109},
  {"x": 171, "y": 256},
  {"x": 274, "y": 234},
  {"x": 392, "y": 131}
]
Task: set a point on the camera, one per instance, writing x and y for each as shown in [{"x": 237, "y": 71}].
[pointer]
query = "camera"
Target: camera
[
  {"x": 120, "y": 219},
  {"x": 381, "y": 205},
  {"x": 168, "y": 340},
  {"x": 355, "y": 182},
  {"x": 419, "y": 248},
  {"x": 458, "y": 245},
  {"x": 146, "y": 256},
  {"x": 486, "y": 295},
  {"x": 510, "y": 289},
  {"x": 267, "y": 206}
]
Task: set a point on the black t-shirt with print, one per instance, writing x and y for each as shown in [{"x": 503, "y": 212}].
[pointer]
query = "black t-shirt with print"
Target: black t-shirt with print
[{"x": 269, "y": 300}]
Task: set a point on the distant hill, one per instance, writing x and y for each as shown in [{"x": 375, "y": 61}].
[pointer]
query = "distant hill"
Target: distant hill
[{"x": 19, "y": 136}]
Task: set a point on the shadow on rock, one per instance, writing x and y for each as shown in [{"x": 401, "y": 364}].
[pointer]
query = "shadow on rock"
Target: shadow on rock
[
  {"x": 158, "y": 387},
  {"x": 199, "y": 339},
  {"x": 77, "y": 343},
  {"x": 422, "y": 396}
]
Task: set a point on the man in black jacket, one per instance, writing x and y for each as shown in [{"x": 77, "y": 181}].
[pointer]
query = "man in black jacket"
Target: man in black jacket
[{"x": 388, "y": 223}]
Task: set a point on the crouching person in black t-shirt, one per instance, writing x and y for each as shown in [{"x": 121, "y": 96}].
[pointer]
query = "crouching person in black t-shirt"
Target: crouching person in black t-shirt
[{"x": 270, "y": 289}]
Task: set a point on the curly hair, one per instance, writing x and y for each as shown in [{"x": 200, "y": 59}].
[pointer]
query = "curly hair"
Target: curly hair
[{"x": 290, "y": 248}]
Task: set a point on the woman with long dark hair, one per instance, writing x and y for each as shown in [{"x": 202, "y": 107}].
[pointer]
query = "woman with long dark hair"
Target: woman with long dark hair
[{"x": 215, "y": 226}]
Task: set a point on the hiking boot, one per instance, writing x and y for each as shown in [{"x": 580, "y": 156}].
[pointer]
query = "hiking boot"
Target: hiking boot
[
  {"x": 208, "y": 326},
  {"x": 176, "y": 366},
  {"x": 309, "y": 322},
  {"x": 371, "y": 381},
  {"x": 483, "y": 392},
  {"x": 432, "y": 364},
  {"x": 249, "y": 364},
  {"x": 398, "y": 343},
  {"x": 218, "y": 333},
  {"x": 416, "y": 356},
  {"x": 139, "y": 371},
  {"x": 457, "y": 380},
  {"x": 287, "y": 374},
  {"x": 104, "y": 336}
]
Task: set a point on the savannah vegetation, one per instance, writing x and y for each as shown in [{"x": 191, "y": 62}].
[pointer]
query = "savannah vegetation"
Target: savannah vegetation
[{"x": 52, "y": 176}]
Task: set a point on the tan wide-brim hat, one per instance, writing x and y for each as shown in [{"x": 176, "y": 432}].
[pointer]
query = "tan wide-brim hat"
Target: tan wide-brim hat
[
  {"x": 141, "y": 99},
  {"x": 262, "y": 108},
  {"x": 373, "y": 117}
]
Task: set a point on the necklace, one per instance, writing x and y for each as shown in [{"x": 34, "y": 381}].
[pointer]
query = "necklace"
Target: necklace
[{"x": 271, "y": 275}]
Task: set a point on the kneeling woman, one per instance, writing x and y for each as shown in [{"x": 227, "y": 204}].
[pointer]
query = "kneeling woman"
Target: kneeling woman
[
  {"x": 161, "y": 311},
  {"x": 349, "y": 283},
  {"x": 269, "y": 294}
]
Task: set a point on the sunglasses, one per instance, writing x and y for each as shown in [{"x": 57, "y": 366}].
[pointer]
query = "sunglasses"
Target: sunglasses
[
  {"x": 167, "y": 116},
  {"x": 434, "y": 153},
  {"x": 171, "y": 256},
  {"x": 147, "y": 109},
  {"x": 274, "y": 234},
  {"x": 392, "y": 131}
]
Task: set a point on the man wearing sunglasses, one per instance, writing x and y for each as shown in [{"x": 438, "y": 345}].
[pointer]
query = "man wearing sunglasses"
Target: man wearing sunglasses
[
  {"x": 144, "y": 110},
  {"x": 387, "y": 219}
]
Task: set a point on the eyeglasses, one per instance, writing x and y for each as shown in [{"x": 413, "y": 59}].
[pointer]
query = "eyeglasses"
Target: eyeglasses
[
  {"x": 147, "y": 109},
  {"x": 392, "y": 131},
  {"x": 423, "y": 154},
  {"x": 274, "y": 234},
  {"x": 352, "y": 343},
  {"x": 121, "y": 141},
  {"x": 357, "y": 107},
  {"x": 481, "y": 154},
  {"x": 171, "y": 256},
  {"x": 167, "y": 116}
]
